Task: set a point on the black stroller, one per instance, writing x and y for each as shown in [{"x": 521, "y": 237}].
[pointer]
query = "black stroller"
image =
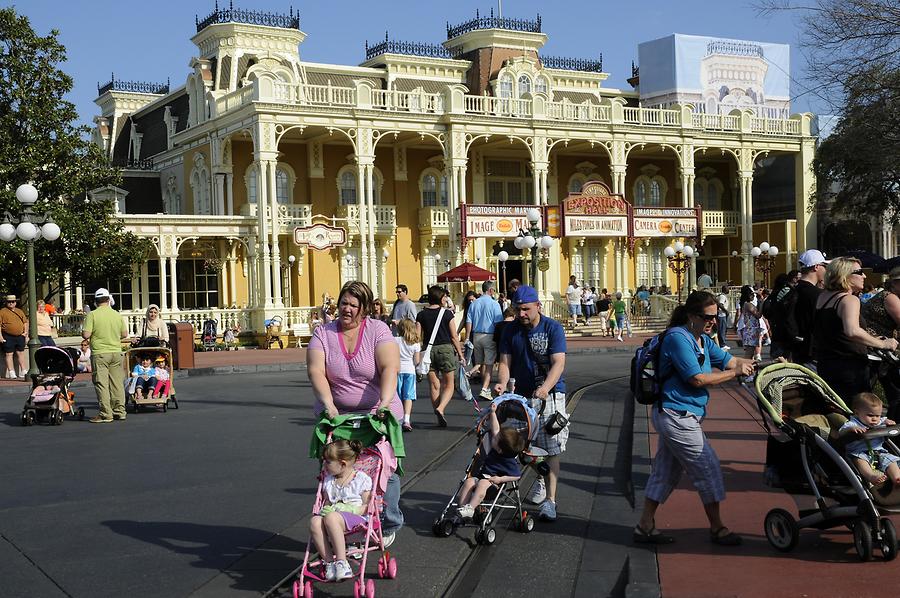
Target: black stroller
[
  {"x": 209, "y": 335},
  {"x": 805, "y": 457},
  {"x": 50, "y": 399}
]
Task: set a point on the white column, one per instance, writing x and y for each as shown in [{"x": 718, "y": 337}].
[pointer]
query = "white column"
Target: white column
[
  {"x": 453, "y": 211},
  {"x": 174, "y": 275},
  {"x": 145, "y": 284},
  {"x": 617, "y": 262},
  {"x": 463, "y": 199},
  {"x": 163, "y": 285},
  {"x": 252, "y": 274},
  {"x": 687, "y": 187},
  {"x": 229, "y": 194},
  {"x": 277, "y": 299},
  {"x": 79, "y": 298},
  {"x": 370, "y": 207},
  {"x": 262, "y": 201},
  {"x": 135, "y": 292},
  {"x": 67, "y": 294},
  {"x": 221, "y": 183},
  {"x": 746, "y": 187},
  {"x": 363, "y": 219}
]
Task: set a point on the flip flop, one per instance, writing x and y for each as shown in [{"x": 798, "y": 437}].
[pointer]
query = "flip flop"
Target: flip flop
[
  {"x": 728, "y": 539},
  {"x": 442, "y": 421},
  {"x": 650, "y": 537}
]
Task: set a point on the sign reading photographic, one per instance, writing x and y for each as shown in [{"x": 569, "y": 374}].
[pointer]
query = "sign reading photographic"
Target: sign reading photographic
[
  {"x": 320, "y": 236},
  {"x": 666, "y": 222},
  {"x": 595, "y": 212},
  {"x": 497, "y": 221}
]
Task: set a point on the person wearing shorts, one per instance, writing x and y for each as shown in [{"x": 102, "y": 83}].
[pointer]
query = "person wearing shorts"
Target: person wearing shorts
[
  {"x": 533, "y": 352},
  {"x": 481, "y": 320},
  {"x": 13, "y": 328},
  {"x": 445, "y": 352}
]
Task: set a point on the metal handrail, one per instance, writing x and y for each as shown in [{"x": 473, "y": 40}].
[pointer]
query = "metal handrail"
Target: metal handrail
[
  {"x": 493, "y": 22},
  {"x": 573, "y": 64},
  {"x": 133, "y": 86},
  {"x": 251, "y": 17},
  {"x": 389, "y": 46}
]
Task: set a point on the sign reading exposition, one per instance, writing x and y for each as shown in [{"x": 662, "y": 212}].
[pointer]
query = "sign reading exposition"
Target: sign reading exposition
[
  {"x": 595, "y": 212},
  {"x": 496, "y": 221},
  {"x": 716, "y": 75},
  {"x": 665, "y": 222}
]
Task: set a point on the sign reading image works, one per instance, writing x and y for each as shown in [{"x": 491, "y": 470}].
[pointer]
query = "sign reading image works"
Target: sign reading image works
[
  {"x": 595, "y": 212},
  {"x": 496, "y": 221},
  {"x": 665, "y": 222}
]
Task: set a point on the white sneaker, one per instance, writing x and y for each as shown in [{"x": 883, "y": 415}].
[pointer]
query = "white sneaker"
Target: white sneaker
[
  {"x": 486, "y": 394},
  {"x": 726, "y": 348},
  {"x": 329, "y": 571},
  {"x": 538, "y": 493},
  {"x": 11, "y": 375},
  {"x": 342, "y": 571},
  {"x": 466, "y": 511},
  {"x": 389, "y": 538}
]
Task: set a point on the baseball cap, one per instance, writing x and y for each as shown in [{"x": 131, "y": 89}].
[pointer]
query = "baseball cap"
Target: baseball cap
[
  {"x": 525, "y": 294},
  {"x": 812, "y": 257},
  {"x": 101, "y": 293}
]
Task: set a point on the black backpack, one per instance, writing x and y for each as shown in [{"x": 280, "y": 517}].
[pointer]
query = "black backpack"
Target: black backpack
[{"x": 646, "y": 383}]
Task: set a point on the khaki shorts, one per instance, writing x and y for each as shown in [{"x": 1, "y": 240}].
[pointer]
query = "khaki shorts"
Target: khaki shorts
[
  {"x": 485, "y": 349},
  {"x": 444, "y": 359}
]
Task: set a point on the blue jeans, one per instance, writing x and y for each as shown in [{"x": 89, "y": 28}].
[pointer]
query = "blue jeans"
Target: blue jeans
[
  {"x": 392, "y": 518},
  {"x": 721, "y": 324}
]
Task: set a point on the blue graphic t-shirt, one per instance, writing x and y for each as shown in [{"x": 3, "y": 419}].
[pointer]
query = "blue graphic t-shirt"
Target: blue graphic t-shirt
[{"x": 546, "y": 339}]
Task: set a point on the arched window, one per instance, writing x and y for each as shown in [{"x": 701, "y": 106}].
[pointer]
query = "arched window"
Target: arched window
[
  {"x": 655, "y": 192},
  {"x": 640, "y": 193},
  {"x": 700, "y": 193},
  {"x": 524, "y": 84},
  {"x": 252, "y": 179},
  {"x": 348, "y": 188},
  {"x": 444, "y": 191},
  {"x": 200, "y": 185},
  {"x": 429, "y": 190},
  {"x": 282, "y": 186},
  {"x": 506, "y": 86},
  {"x": 540, "y": 85},
  {"x": 576, "y": 183},
  {"x": 708, "y": 190}
]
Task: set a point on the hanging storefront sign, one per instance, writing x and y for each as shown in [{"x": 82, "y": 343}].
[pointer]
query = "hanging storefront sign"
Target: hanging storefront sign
[
  {"x": 595, "y": 212},
  {"x": 497, "y": 221},
  {"x": 320, "y": 236},
  {"x": 666, "y": 222}
]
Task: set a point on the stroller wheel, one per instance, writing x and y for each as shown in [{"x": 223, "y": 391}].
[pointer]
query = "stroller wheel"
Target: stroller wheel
[
  {"x": 486, "y": 537},
  {"x": 781, "y": 530},
  {"x": 308, "y": 589},
  {"x": 862, "y": 539},
  {"x": 81, "y": 413},
  {"x": 526, "y": 525},
  {"x": 27, "y": 418},
  {"x": 370, "y": 588},
  {"x": 297, "y": 588},
  {"x": 446, "y": 528},
  {"x": 888, "y": 539}
]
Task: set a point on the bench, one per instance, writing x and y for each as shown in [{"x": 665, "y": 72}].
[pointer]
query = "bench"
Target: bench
[{"x": 298, "y": 334}]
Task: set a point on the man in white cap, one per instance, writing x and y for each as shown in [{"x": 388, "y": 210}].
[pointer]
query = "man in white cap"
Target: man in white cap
[
  {"x": 105, "y": 328},
  {"x": 812, "y": 277},
  {"x": 13, "y": 336}
]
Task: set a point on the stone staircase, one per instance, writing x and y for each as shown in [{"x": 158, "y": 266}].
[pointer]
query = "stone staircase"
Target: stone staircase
[{"x": 639, "y": 325}]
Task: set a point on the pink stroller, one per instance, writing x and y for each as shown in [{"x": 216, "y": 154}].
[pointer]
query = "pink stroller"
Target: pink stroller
[{"x": 378, "y": 462}]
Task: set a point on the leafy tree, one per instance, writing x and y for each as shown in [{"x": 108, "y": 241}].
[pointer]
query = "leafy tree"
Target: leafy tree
[{"x": 41, "y": 144}]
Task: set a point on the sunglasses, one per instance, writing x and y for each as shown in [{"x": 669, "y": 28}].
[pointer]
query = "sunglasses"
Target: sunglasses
[
  {"x": 707, "y": 317},
  {"x": 860, "y": 272}
]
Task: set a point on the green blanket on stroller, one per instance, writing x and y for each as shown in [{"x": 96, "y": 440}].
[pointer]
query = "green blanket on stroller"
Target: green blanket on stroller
[{"x": 367, "y": 433}]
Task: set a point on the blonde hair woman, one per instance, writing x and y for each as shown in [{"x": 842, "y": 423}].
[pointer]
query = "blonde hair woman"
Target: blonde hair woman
[{"x": 840, "y": 343}]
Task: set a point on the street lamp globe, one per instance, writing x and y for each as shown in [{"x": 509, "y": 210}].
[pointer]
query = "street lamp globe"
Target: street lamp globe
[
  {"x": 26, "y": 194},
  {"x": 773, "y": 251},
  {"x": 669, "y": 251},
  {"x": 7, "y": 232},
  {"x": 503, "y": 256},
  {"x": 764, "y": 246},
  {"x": 688, "y": 251},
  {"x": 519, "y": 242},
  {"x": 679, "y": 246},
  {"x": 533, "y": 215},
  {"x": 546, "y": 242},
  {"x": 27, "y": 231},
  {"x": 51, "y": 232},
  {"x": 529, "y": 241},
  {"x": 755, "y": 252},
  {"x": 292, "y": 259}
]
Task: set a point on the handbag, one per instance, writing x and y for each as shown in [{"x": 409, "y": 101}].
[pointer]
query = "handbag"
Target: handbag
[{"x": 425, "y": 364}]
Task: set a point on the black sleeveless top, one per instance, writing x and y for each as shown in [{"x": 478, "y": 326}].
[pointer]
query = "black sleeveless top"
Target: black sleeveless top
[{"x": 829, "y": 341}]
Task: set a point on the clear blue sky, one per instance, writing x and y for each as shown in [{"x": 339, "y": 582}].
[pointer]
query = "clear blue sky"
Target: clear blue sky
[{"x": 150, "y": 41}]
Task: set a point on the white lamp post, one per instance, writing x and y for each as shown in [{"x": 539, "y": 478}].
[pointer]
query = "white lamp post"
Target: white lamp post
[
  {"x": 503, "y": 256},
  {"x": 679, "y": 256},
  {"x": 535, "y": 240},
  {"x": 764, "y": 259}
]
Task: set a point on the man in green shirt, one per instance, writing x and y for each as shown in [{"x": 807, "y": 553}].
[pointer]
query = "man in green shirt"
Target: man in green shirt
[{"x": 105, "y": 328}]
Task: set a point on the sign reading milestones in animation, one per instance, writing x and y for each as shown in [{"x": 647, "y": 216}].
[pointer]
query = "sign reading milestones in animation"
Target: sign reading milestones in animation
[
  {"x": 666, "y": 222},
  {"x": 595, "y": 212},
  {"x": 320, "y": 236},
  {"x": 490, "y": 221}
]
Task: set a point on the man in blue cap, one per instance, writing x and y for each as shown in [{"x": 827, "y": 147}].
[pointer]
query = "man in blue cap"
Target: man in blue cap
[{"x": 533, "y": 353}]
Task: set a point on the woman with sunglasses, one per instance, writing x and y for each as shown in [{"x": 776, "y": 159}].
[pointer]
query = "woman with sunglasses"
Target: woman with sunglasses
[
  {"x": 840, "y": 341},
  {"x": 687, "y": 358}
]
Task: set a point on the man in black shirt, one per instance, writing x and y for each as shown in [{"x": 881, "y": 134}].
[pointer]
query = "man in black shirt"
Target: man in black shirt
[{"x": 812, "y": 275}]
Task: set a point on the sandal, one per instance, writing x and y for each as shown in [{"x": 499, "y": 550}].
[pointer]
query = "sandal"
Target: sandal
[
  {"x": 727, "y": 539},
  {"x": 442, "y": 421},
  {"x": 654, "y": 536}
]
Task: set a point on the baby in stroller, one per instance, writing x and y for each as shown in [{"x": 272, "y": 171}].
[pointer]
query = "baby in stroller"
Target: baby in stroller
[
  {"x": 345, "y": 494},
  {"x": 145, "y": 377},
  {"x": 873, "y": 461},
  {"x": 500, "y": 466}
]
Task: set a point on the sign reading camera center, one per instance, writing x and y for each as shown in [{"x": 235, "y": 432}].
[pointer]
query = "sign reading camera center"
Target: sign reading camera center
[
  {"x": 665, "y": 222},
  {"x": 595, "y": 212}
]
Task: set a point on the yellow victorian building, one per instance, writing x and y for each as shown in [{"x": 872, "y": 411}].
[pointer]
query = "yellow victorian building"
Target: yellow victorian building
[{"x": 266, "y": 181}]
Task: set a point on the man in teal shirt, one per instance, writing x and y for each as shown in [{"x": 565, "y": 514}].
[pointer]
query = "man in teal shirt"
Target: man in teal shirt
[{"x": 105, "y": 328}]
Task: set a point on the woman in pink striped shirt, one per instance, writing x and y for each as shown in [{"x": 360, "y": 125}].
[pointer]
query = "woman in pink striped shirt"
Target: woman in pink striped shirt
[{"x": 353, "y": 364}]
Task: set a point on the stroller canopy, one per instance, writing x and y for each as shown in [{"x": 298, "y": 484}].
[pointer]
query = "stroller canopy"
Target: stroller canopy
[
  {"x": 514, "y": 407},
  {"x": 782, "y": 382},
  {"x": 56, "y": 360}
]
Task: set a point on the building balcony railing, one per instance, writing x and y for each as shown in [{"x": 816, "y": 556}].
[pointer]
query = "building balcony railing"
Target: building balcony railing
[
  {"x": 389, "y": 46},
  {"x": 493, "y": 22},
  {"x": 609, "y": 112},
  {"x": 133, "y": 86},
  {"x": 289, "y": 215},
  {"x": 434, "y": 220},
  {"x": 385, "y": 219},
  {"x": 720, "y": 222},
  {"x": 250, "y": 17},
  {"x": 573, "y": 64}
]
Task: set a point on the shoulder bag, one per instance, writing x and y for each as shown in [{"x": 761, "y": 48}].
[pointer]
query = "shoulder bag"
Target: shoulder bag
[{"x": 425, "y": 364}]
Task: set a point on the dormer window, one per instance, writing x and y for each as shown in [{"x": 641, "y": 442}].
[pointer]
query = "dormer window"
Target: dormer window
[
  {"x": 506, "y": 86},
  {"x": 524, "y": 85},
  {"x": 540, "y": 85}
]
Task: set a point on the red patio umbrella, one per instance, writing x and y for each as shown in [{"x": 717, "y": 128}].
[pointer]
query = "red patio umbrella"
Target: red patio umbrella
[{"x": 466, "y": 273}]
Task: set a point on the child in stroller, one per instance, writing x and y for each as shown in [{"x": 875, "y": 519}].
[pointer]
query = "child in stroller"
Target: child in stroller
[
  {"x": 145, "y": 375},
  {"x": 500, "y": 466},
  {"x": 873, "y": 461},
  {"x": 345, "y": 494}
]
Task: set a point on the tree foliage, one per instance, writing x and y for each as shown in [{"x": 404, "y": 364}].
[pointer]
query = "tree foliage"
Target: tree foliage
[{"x": 41, "y": 143}]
